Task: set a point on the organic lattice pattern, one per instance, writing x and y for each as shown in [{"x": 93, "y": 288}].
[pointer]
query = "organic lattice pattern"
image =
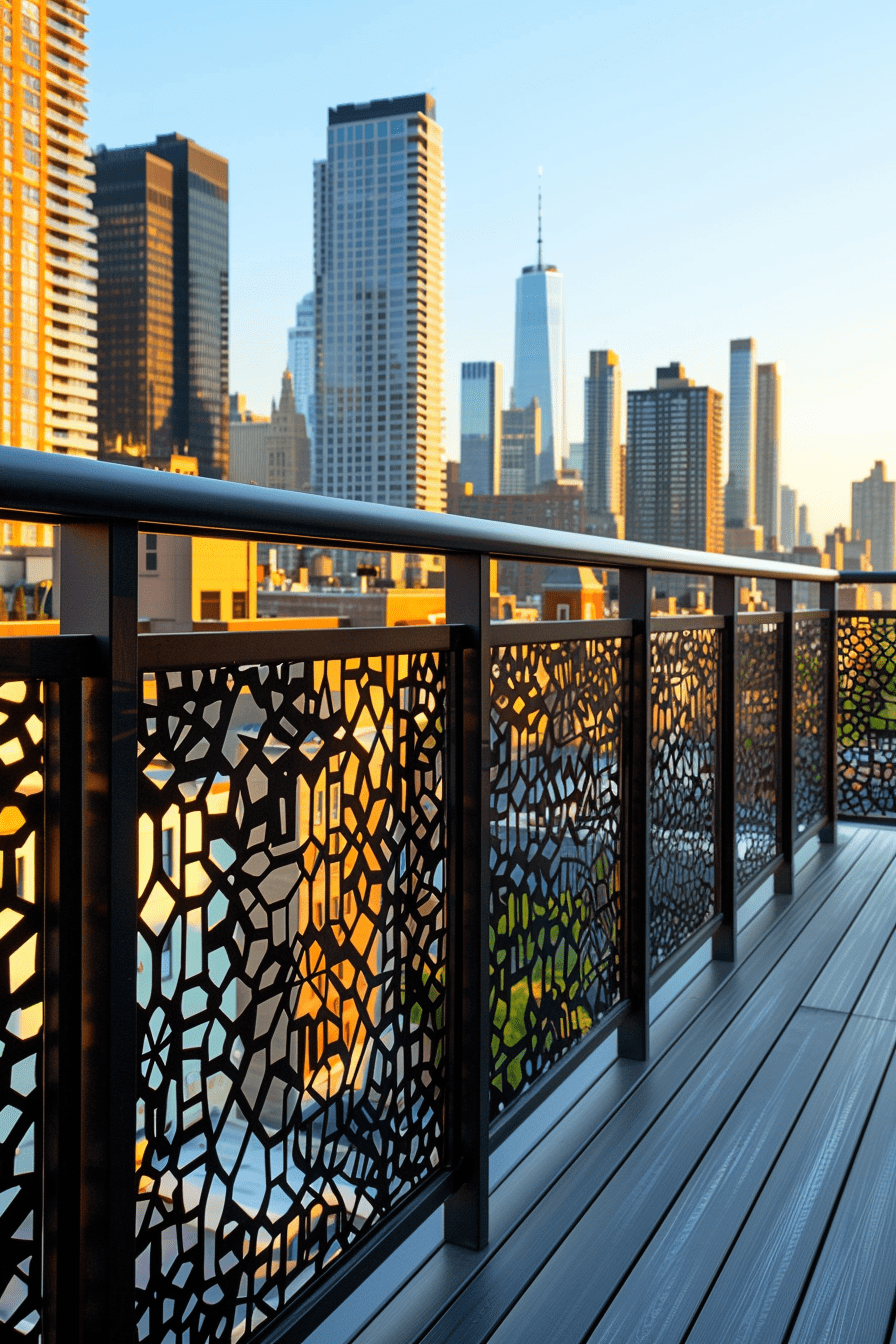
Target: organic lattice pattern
[
  {"x": 810, "y": 698},
  {"x": 682, "y": 789},
  {"x": 867, "y": 728},
  {"x": 758, "y": 743},
  {"x": 555, "y": 826},
  {"x": 21, "y": 1010},
  {"x": 291, "y": 976}
]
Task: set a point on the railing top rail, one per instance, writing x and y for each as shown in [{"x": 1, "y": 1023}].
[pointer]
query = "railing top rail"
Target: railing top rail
[
  {"x": 868, "y": 576},
  {"x": 58, "y": 487}
]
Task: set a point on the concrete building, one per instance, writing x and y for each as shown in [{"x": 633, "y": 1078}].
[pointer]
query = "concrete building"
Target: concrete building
[
  {"x": 874, "y": 519},
  {"x": 379, "y": 304},
  {"x": 804, "y": 536},
  {"x": 521, "y": 448},
  {"x": 481, "y": 398},
  {"x": 270, "y": 450},
  {"x": 674, "y": 463},
  {"x": 740, "y": 505},
  {"x": 768, "y": 451},
  {"x": 788, "y": 533},
  {"x": 48, "y": 279},
  {"x": 604, "y": 487},
  {"x": 539, "y": 364},
  {"x": 163, "y": 332}
]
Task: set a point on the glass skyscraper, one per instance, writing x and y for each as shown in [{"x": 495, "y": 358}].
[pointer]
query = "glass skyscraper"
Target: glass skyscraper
[
  {"x": 300, "y": 358},
  {"x": 740, "y": 498},
  {"x": 379, "y": 304},
  {"x": 163, "y": 318},
  {"x": 539, "y": 365},
  {"x": 481, "y": 394}
]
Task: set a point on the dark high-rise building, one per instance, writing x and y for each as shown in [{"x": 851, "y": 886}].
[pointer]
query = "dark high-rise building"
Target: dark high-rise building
[
  {"x": 481, "y": 392},
  {"x": 674, "y": 464},
  {"x": 162, "y": 325}
]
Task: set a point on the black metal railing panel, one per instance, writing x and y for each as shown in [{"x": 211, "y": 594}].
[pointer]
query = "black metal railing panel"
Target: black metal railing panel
[
  {"x": 22, "y": 794},
  {"x": 758, "y": 746},
  {"x": 556, "y": 842},
  {"x": 292, "y": 975},
  {"x": 683, "y": 786},
  {"x": 811, "y": 655},
  {"x": 867, "y": 730}
]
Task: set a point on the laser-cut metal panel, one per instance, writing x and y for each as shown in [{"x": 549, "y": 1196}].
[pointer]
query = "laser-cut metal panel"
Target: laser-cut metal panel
[
  {"x": 555, "y": 950},
  {"x": 758, "y": 747},
  {"x": 867, "y": 715},
  {"x": 683, "y": 786},
  {"x": 810, "y": 699},
  {"x": 292, "y": 958},
  {"x": 21, "y": 1005}
]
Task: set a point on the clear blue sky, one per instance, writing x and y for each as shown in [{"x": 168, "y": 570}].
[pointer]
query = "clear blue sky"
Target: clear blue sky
[{"x": 710, "y": 171}]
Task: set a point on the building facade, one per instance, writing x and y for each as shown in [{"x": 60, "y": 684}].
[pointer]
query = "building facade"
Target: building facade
[
  {"x": 788, "y": 533},
  {"x": 740, "y": 492},
  {"x": 674, "y": 464},
  {"x": 300, "y": 358},
  {"x": 768, "y": 451},
  {"x": 379, "y": 304},
  {"x": 874, "y": 519},
  {"x": 603, "y": 434},
  {"x": 521, "y": 449},
  {"x": 539, "y": 362},
  {"x": 48, "y": 395},
  {"x": 162, "y": 237},
  {"x": 481, "y": 398},
  {"x": 270, "y": 450}
]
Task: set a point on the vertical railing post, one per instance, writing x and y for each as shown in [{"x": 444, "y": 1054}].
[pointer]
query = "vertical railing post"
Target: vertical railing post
[
  {"x": 787, "y": 795},
  {"x": 467, "y": 599},
  {"x": 99, "y": 565},
  {"x": 829, "y": 602},
  {"x": 634, "y": 605},
  {"x": 63, "y": 859},
  {"x": 724, "y": 603}
]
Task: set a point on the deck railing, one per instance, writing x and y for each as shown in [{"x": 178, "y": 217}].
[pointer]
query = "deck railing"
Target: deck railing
[{"x": 298, "y": 925}]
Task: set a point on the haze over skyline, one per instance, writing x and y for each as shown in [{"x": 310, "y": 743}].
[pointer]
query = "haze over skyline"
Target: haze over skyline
[{"x": 707, "y": 174}]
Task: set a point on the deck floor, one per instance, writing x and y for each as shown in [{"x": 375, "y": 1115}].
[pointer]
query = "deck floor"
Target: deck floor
[{"x": 741, "y": 1186}]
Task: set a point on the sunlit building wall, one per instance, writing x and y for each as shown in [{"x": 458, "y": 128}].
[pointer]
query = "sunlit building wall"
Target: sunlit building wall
[
  {"x": 768, "y": 450},
  {"x": 379, "y": 304},
  {"x": 603, "y": 433},
  {"x": 481, "y": 395},
  {"x": 49, "y": 253},
  {"x": 740, "y": 502},
  {"x": 674, "y": 464},
  {"x": 539, "y": 366},
  {"x": 788, "y": 534}
]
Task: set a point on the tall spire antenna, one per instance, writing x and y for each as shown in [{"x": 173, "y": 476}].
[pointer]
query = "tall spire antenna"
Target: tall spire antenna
[{"x": 539, "y": 218}]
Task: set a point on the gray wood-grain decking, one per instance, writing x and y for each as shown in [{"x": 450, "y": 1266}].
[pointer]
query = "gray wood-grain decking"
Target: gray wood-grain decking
[{"x": 741, "y": 1186}]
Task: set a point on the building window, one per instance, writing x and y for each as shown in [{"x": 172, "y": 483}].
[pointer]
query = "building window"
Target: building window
[
  {"x": 210, "y": 606},
  {"x": 240, "y": 606},
  {"x": 152, "y": 553},
  {"x": 562, "y": 611},
  {"x": 168, "y": 851}
]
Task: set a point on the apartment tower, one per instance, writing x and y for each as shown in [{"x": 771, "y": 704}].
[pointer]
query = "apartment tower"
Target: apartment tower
[
  {"x": 768, "y": 450},
  {"x": 162, "y": 235},
  {"x": 740, "y": 499},
  {"x": 522, "y": 433},
  {"x": 674, "y": 464},
  {"x": 49, "y": 253},
  {"x": 603, "y": 437},
  {"x": 379, "y": 206},
  {"x": 300, "y": 357},
  {"x": 539, "y": 364},
  {"x": 481, "y": 396},
  {"x": 788, "y": 534}
]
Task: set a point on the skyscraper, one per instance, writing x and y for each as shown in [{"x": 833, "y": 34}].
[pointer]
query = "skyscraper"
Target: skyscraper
[
  {"x": 874, "y": 516},
  {"x": 740, "y": 503},
  {"x": 768, "y": 450},
  {"x": 674, "y": 463},
  {"x": 539, "y": 365},
  {"x": 48, "y": 397},
  {"x": 481, "y": 396},
  {"x": 379, "y": 304},
  {"x": 521, "y": 440},
  {"x": 788, "y": 533},
  {"x": 300, "y": 359},
  {"x": 164, "y": 308},
  {"x": 603, "y": 439}
]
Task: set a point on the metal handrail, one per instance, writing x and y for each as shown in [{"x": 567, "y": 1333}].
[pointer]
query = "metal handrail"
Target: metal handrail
[{"x": 76, "y": 488}]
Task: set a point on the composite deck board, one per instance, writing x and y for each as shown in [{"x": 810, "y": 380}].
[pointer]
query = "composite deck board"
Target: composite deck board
[
  {"x": 641, "y": 1131},
  {"x": 509, "y": 1269},
  {"x": 879, "y": 996},
  {"x": 843, "y": 979},
  {"x": 852, "y": 1293},
  {"x": 758, "y": 1290}
]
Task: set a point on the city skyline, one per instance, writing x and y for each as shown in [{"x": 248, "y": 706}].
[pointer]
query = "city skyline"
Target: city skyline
[{"x": 781, "y": 263}]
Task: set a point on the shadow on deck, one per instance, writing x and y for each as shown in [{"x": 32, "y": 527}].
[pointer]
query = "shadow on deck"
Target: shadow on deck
[{"x": 741, "y": 1186}]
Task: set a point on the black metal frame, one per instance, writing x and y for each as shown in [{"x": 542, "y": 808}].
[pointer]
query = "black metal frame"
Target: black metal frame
[{"x": 92, "y": 672}]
